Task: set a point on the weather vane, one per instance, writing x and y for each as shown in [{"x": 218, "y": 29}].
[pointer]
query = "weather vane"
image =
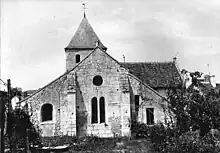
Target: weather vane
[{"x": 84, "y": 8}]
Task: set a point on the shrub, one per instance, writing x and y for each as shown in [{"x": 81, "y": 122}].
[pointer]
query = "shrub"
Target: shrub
[
  {"x": 19, "y": 128},
  {"x": 165, "y": 139},
  {"x": 140, "y": 129},
  {"x": 160, "y": 136},
  {"x": 191, "y": 142}
]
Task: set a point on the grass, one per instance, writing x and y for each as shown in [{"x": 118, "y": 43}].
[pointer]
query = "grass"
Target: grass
[
  {"x": 111, "y": 145},
  {"x": 99, "y": 145}
]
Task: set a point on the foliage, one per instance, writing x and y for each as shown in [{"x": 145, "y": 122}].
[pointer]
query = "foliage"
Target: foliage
[
  {"x": 196, "y": 107},
  {"x": 191, "y": 142},
  {"x": 19, "y": 128},
  {"x": 139, "y": 129},
  {"x": 192, "y": 113}
]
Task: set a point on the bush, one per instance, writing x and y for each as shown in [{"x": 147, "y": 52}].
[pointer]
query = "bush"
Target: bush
[
  {"x": 165, "y": 139},
  {"x": 19, "y": 128},
  {"x": 140, "y": 129},
  {"x": 160, "y": 136},
  {"x": 191, "y": 142}
]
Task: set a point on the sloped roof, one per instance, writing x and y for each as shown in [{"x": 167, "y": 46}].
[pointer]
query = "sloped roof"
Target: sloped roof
[
  {"x": 67, "y": 72},
  {"x": 157, "y": 74},
  {"x": 85, "y": 37}
]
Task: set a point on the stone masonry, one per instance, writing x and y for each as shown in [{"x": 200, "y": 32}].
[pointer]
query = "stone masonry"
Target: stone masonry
[
  {"x": 67, "y": 105},
  {"x": 71, "y": 96}
]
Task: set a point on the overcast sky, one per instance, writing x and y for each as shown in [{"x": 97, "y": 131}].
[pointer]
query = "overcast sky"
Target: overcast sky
[{"x": 35, "y": 33}]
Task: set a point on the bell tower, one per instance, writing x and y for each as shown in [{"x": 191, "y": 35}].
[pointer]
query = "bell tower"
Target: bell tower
[{"x": 82, "y": 43}]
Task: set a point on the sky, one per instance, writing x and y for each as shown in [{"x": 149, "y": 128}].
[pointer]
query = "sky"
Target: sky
[{"x": 34, "y": 34}]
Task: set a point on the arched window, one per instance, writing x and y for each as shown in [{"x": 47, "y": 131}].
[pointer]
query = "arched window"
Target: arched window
[
  {"x": 102, "y": 109},
  {"x": 77, "y": 58},
  {"x": 46, "y": 112},
  {"x": 94, "y": 110}
]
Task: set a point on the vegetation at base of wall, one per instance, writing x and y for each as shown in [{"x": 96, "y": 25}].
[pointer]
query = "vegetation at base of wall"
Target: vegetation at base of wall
[
  {"x": 111, "y": 145},
  {"x": 191, "y": 115},
  {"x": 96, "y": 144},
  {"x": 20, "y": 132},
  {"x": 165, "y": 139}
]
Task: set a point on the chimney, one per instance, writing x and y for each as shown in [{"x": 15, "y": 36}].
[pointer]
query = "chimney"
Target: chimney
[
  {"x": 207, "y": 79},
  {"x": 174, "y": 60},
  {"x": 96, "y": 43}
]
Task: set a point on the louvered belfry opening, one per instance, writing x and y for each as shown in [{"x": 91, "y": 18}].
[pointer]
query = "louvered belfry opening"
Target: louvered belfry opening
[
  {"x": 77, "y": 58},
  {"x": 83, "y": 42}
]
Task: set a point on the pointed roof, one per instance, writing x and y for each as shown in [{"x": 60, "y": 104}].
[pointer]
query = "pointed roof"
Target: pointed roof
[{"x": 85, "y": 37}]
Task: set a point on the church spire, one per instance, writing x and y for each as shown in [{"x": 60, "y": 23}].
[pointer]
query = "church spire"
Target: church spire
[{"x": 85, "y": 37}]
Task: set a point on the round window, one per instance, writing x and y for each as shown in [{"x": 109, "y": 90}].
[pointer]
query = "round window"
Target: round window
[{"x": 97, "y": 80}]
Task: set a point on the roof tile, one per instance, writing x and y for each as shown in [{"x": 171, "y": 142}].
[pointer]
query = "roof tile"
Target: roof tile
[
  {"x": 157, "y": 74},
  {"x": 85, "y": 37}
]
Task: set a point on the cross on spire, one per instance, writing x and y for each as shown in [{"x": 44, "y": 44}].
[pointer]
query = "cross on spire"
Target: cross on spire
[{"x": 84, "y": 8}]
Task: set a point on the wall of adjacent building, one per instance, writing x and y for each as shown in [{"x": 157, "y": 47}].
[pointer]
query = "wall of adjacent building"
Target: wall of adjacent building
[{"x": 147, "y": 99}]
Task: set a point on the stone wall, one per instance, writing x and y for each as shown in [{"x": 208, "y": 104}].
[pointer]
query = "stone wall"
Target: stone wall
[
  {"x": 62, "y": 99},
  {"x": 71, "y": 96},
  {"x": 71, "y": 57},
  {"x": 117, "y": 102},
  {"x": 148, "y": 99}
]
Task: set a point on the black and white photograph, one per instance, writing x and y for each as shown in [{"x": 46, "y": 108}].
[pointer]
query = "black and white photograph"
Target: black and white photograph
[{"x": 110, "y": 76}]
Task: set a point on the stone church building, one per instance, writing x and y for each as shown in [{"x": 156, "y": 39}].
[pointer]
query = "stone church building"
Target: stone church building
[{"x": 97, "y": 95}]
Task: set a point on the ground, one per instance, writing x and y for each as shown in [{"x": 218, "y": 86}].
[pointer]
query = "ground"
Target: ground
[{"x": 108, "y": 145}]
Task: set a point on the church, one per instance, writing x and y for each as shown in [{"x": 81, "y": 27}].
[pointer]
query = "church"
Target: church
[{"x": 98, "y": 95}]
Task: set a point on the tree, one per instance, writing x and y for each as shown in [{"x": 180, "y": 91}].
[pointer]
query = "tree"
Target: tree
[
  {"x": 19, "y": 129},
  {"x": 20, "y": 132},
  {"x": 195, "y": 108}
]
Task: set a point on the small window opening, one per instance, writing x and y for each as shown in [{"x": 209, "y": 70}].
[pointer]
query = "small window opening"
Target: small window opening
[
  {"x": 150, "y": 116},
  {"x": 47, "y": 112},
  {"x": 94, "y": 110},
  {"x": 77, "y": 58},
  {"x": 136, "y": 99},
  {"x": 102, "y": 109}
]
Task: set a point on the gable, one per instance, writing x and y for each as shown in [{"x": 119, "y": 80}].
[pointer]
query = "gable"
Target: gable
[
  {"x": 97, "y": 56},
  {"x": 144, "y": 88},
  {"x": 99, "y": 59}
]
